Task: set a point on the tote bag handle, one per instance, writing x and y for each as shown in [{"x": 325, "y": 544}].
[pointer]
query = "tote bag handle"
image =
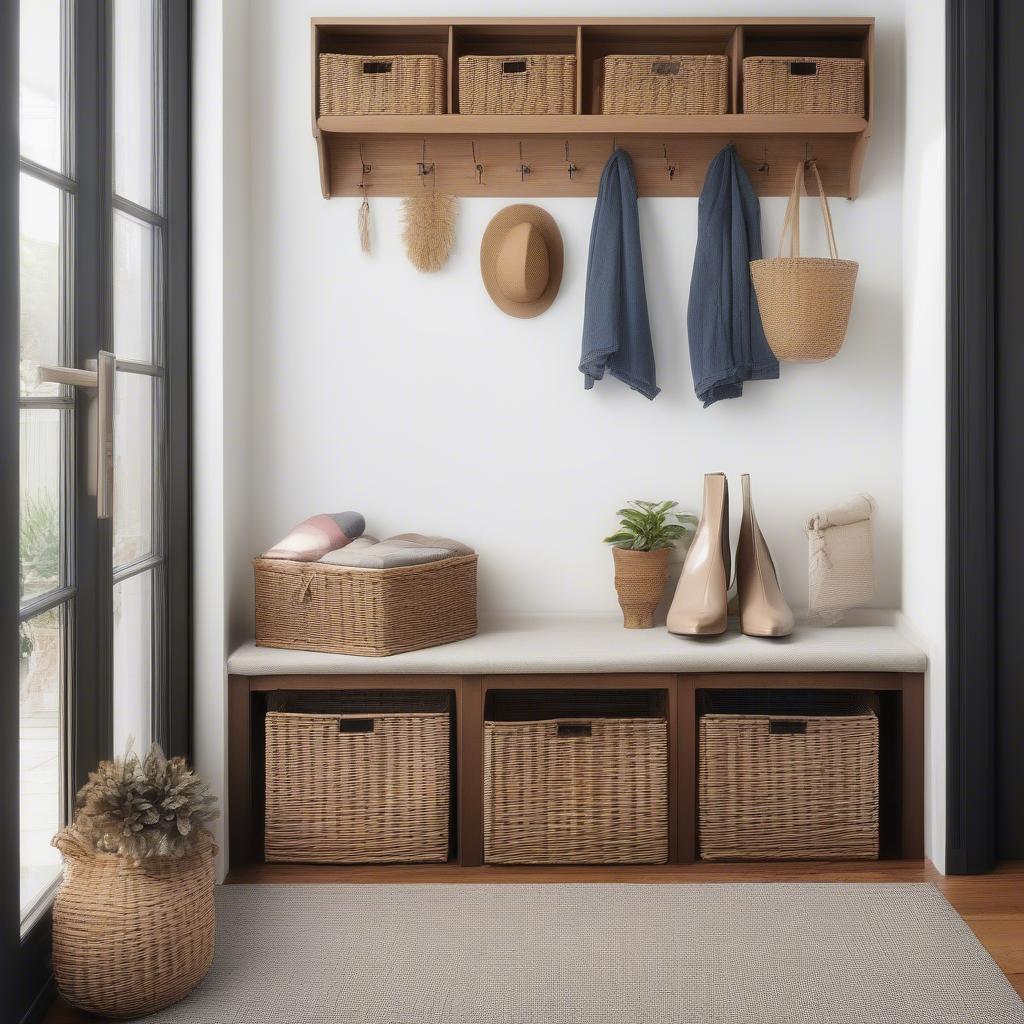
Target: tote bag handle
[{"x": 791, "y": 221}]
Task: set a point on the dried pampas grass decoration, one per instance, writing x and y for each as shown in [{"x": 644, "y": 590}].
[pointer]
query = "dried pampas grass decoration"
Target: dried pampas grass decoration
[{"x": 429, "y": 232}]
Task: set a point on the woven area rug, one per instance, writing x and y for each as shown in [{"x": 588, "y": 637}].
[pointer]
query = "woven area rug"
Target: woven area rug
[{"x": 595, "y": 954}]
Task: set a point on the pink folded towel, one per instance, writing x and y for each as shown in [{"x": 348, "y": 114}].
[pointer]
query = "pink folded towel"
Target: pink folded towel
[{"x": 314, "y": 537}]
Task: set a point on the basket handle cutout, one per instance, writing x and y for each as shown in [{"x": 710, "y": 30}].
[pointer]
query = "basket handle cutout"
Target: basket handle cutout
[
  {"x": 665, "y": 67},
  {"x": 787, "y": 728},
  {"x": 513, "y": 67},
  {"x": 575, "y": 729},
  {"x": 354, "y": 725},
  {"x": 803, "y": 67},
  {"x": 377, "y": 67},
  {"x": 791, "y": 222}
]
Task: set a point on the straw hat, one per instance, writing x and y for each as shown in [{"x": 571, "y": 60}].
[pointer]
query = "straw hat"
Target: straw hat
[{"x": 521, "y": 260}]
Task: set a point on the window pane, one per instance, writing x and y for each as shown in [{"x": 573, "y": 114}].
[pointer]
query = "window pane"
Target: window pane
[
  {"x": 134, "y": 470},
  {"x": 41, "y": 452},
  {"x": 135, "y": 256},
  {"x": 40, "y": 279},
  {"x": 40, "y": 92},
  {"x": 41, "y": 670},
  {"x": 135, "y": 75},
  {"x": 133, "y": 661}
]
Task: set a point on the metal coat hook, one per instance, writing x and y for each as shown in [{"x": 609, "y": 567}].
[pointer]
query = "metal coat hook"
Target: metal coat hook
[
  {"x": 422, "y": 167},
  {"x": 365, "y": 169},
  {"x": 764, "y": 167},
  {"x": 477, "y": 166},
  {"x": 524, "y": 168},
  {"x": 669, "y": 167},
  {"x": 570, "y": 166}
]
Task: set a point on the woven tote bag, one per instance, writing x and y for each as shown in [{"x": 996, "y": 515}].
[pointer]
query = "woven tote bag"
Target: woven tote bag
[{"x": 804, "y": 301}]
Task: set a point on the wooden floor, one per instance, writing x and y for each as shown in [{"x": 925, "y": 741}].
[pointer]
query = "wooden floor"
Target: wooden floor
[{"x": 993, "y": 905}]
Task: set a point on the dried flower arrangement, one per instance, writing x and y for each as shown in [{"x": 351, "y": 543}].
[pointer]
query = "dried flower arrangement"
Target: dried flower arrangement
[{"x": 139, "y": 808}]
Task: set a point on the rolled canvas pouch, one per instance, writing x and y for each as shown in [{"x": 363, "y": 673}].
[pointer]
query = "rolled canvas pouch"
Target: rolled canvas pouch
[{"x": 841, "y": 559}]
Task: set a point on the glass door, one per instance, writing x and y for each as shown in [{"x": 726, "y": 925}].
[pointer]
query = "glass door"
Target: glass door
[{"x": 102, "y": 443}]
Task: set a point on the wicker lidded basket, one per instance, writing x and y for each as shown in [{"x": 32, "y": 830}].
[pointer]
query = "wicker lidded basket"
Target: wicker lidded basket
[
  {"x": 131, "y": 938},
  {"x": 313, "y": 606},
  {"x": 805, "y": 302},
  {"x": 542, "y": 83},
  {"x": 576, "y": 791},
  {"x": 357, "y": 788},
  {"x": 675, "y": 84},
  {"x": 779, "y": 786},
  {"x": 395, "y": 84},
  {"x": 803, "y": 85}
]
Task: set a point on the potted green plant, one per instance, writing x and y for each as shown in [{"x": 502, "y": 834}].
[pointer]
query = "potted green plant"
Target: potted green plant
[
  {"x": 641, "y": 547},
  {"x": 133, "y": 920}
]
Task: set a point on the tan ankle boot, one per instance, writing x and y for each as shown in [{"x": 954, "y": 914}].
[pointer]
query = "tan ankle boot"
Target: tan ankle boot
[
  {"x": 763, "y": 609},
  {"x": 700, "y": 605}
]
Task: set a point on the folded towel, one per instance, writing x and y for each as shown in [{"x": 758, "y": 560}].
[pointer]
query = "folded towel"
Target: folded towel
[
  {"x": 616, "y": 329},
  {"x": 727, "y": 342},
  {"x": 318, "y": 535},
  {"x": 402, "y": 549}
]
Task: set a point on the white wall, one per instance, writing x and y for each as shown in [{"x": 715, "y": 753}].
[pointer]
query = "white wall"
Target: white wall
[
  {"x": 342, "y": 381},
  {"x": 220, "y": 447},
  {"x": 924, "y": 381}
]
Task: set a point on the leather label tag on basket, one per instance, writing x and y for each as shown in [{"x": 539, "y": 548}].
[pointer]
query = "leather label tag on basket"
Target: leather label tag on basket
[
  {"x": 355, "y": 725},
  {"x": 787, "y": 728},
  {"x": 803, "y": 67},
  {"x": 513, "y": 67},
  {"x": 376, "y": 67},
  {"x": 665, "y": 67}
]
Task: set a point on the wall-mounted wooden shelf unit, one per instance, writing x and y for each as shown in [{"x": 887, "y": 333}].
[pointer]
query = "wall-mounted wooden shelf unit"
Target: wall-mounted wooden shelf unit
[{"x": 529, "y": 155}]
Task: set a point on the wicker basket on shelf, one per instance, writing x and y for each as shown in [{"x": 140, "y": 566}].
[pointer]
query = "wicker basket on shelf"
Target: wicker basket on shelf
[
  {"x": 396, "y": 84},
  {"x": 313, "y": 606},
  {"x": 775, "y": 786},
  {"x": 679, "y": 84},
  {"x": 803, "y": 85},
  {"x": 543, "y": 83},
  {"x": 357, "y": 788},
  {"x": 576, "y": 791},
  {"x": 131, "y": 938}
]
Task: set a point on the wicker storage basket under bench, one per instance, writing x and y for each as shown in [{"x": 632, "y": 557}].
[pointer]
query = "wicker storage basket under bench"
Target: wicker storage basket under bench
[
  {"x": 358, "y": 788},
  {"x": 313, "y": 606},
  {"x": 788, "y": 776},
  {"x": 576, "y": 791}
]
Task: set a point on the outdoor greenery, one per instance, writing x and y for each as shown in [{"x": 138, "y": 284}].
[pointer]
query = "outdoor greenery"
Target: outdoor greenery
[{"x": 649, "y": 526}]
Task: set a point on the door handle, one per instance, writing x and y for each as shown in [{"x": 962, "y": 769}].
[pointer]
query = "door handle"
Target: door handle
[{"x": 98, "y": 378}]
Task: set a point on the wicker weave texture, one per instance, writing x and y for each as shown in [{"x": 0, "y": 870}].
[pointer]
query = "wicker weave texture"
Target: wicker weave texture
[
  {"x": 789, "y": 795},
  {"x": 803, "y": 85},
  {"x": 674, "y": 84},
  {"x": 312, "y": 606},
  {"x": 395, "y": 84},
  {"x": 532, "y": 84},
  {"x": 130, "y": 939},
  {"x": 373, "y": 797},
  {"x": 640, "y": 578},
  {"x": 576, "y": 791}
]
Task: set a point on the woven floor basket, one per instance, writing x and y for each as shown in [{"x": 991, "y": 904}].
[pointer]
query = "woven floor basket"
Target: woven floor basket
[
  {"x": 312, "y": 606},
  {"x": 576, "y": 791},
  {"x": 805, "y": 302},
  {"x": 680, "y": 84},
  {"x": 130, "y": 939},
  {"x": 534, "y": 84},
  {"x": 777, "y": 787},
  {"x": 803, "y": 85},
  {"x": 375, "y": 795},
  {"x": 406, "y": 84}
]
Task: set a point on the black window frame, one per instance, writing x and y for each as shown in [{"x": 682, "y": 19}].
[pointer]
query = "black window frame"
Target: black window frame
[{"x": 25, "y": 981}]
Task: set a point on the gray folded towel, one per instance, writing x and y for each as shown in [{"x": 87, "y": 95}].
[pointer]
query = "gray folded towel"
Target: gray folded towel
[{"x": 616, "y": 329}]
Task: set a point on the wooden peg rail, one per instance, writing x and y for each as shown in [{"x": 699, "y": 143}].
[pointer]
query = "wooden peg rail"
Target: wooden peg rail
[{"x": 532, "y": 155}]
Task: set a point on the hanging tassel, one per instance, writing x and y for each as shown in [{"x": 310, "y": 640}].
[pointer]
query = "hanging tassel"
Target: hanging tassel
[
  {"x": 429, "y": 232},
  {"x": 364, "y": 226}
]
